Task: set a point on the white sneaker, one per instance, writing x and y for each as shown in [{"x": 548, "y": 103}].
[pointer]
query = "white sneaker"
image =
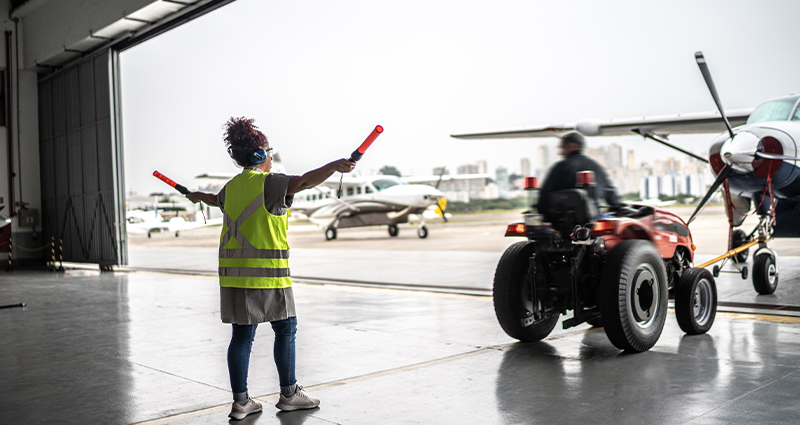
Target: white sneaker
[
  {"x": 299, "y": 401},
  {"x": 239, "y": 412}
]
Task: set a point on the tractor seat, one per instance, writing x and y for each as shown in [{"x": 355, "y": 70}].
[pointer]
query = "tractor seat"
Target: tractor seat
[{"x": 570, "y": 208}]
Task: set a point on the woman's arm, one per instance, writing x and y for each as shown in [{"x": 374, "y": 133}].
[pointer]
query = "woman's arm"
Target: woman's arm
[
  {"x": 315, "y": 177},
  {"x": 208, "y": 198}
]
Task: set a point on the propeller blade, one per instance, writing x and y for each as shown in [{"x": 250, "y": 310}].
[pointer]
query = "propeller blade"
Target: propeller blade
[
  {"x": 441, "y": 173},
  {"x": 764, "y": 155},
  {"x": 442, "y": 206},
  {"x": 723, "y": 174},
  {"x": 701, "y": 62}
]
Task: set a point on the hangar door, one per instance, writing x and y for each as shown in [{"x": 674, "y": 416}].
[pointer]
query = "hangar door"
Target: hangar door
[{"x": 83, "y": 194}]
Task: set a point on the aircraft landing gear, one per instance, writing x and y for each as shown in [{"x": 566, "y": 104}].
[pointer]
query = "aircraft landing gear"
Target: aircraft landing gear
[
  {"x": 765, "y": 273},
  {"x": 330, "y": 233},
  {"x": 422, "y": 231},
  {"x": 765, "y": 260},
  {"x": 393, "y": 230}
]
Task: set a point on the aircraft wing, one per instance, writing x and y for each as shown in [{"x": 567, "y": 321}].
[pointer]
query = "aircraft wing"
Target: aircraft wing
[
  {"x": 333, "y": 183},
  {"x": 433, "y": 179},
  {"x": 663, "y": 125},
  {"x": 216, "y": 176}
]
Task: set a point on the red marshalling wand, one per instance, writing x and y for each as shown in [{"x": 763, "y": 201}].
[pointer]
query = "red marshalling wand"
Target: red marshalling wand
[
  {"x": 358, "y": 153},
  {"x": 179, "y": 187}
]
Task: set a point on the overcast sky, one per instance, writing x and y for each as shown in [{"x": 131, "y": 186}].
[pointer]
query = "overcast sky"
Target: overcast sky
[{"x": 317, "y": 76}]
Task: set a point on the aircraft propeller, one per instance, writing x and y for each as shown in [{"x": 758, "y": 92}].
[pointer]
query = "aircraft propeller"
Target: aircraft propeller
[
  {"x": 440, "y": 203},
  {"x": 726, "y": 170}
]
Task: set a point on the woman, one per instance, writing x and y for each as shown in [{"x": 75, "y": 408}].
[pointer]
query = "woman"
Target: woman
[{"x": 255, "y": 284}]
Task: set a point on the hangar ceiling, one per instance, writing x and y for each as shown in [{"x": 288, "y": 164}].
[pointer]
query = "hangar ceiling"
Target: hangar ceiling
[{"x": 131, "y": 28}]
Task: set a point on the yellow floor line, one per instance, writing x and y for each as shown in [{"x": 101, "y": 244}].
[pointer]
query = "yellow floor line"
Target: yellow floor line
[{"x": 765, "y": 318}]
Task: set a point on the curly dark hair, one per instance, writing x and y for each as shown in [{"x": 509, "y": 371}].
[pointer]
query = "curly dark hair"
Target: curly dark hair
[{"x": 242, "y": 133}]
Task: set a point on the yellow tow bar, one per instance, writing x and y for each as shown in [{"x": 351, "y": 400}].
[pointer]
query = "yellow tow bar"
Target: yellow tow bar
[{"x": 731, "y": 253}]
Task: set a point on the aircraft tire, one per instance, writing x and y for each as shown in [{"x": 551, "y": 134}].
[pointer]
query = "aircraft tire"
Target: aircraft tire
[
  {"x": 393, "y": 230},
  {"x": 634, "y": 296},
  {"x": 510, "y": 293},
  {"x": 422, "y": 232},
  {"x": 765, "y": 274},
  {"x": 330, "y": 233},
  {"x": 739, "y": 239},
  {"x": 696, "y": 301}
]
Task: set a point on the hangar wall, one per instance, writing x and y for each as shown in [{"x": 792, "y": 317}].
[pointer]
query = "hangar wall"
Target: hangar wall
[
  {"x": 24, "y": 140},
  {"x": 47, "y": 37}
]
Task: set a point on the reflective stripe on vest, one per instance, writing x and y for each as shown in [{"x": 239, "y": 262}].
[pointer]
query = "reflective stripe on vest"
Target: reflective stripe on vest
[{"x": 253, "y": 249}]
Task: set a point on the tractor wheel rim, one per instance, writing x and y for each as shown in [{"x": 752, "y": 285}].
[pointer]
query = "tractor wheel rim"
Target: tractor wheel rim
[
  {"x": 702, "y": 302},
  {"x": 645, "y": 297}
]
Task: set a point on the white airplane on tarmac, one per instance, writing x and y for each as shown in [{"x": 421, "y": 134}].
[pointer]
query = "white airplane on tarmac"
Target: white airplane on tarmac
[
  {"x": 370, "y": 201},
  {"x": 151, "y": 221}
]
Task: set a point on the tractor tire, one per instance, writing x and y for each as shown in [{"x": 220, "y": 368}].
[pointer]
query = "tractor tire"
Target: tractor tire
[
  {"x": 739, "y": 239},
  {"x": 596, "y": 322},
  {"x": 696, "y": 301},
  {"x": 765, "y": 274},
  {"x": 634, "y": 295},
  {"x": 511, "y": 291}
]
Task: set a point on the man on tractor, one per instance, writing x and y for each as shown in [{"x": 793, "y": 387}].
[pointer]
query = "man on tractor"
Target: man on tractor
[{"x": 563, "y": 174}]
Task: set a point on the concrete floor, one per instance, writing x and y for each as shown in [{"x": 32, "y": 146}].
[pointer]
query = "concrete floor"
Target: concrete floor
[
  {"x": 145, "y": 347},
  {"x": 97, "y": 347}
]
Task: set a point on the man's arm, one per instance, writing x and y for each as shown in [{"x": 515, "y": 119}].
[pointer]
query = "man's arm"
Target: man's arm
[
  {"x": 208, "y": 198},
  {"x": 609, "y": 192},
  {"x": 315, "y": 177}
]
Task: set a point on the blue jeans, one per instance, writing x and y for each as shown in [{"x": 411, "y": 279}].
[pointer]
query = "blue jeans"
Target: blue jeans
[{"x": 283, "y": 352}]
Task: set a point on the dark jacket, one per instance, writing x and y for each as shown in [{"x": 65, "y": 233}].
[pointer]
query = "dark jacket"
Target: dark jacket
[{"x": 563, "y": 175}]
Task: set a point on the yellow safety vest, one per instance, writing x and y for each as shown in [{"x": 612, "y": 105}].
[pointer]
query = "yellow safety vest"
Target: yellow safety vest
[{"x": 253, "y": 250}]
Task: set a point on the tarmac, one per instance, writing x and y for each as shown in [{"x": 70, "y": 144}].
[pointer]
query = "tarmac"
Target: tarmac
[{"x": 385, "y": 335}]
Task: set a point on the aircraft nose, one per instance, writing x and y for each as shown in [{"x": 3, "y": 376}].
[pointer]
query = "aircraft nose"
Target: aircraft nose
[
  {"x": 431, "y": 196},
  {"x": 739, "y": 152}
]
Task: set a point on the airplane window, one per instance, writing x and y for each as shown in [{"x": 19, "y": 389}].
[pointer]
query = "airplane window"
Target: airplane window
[
  {"x": 385, "y": 183},
  {"x": 367, "y": 189},
  {"x": 774, "y": 110},
  {"x": 358, "y": 190},
  {"x": 349, "y": 191}
]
